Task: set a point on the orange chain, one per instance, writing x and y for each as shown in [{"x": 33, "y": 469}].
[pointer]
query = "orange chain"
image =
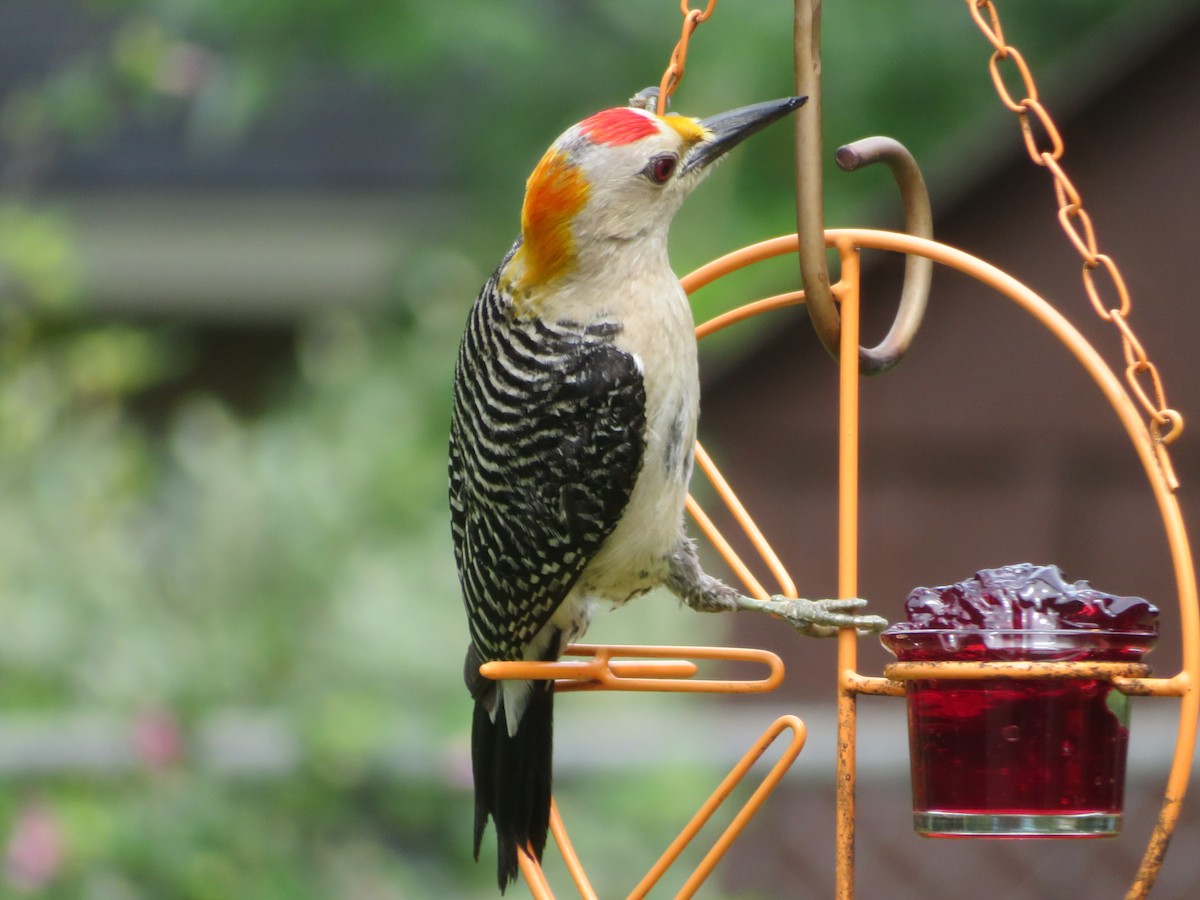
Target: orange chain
[
  {"x": 674, "y": 73},
  {"x": 1165, "y": 424}
]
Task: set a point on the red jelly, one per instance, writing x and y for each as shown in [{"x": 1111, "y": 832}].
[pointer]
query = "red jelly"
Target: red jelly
[
  {"x": 1019, "y": 758},
  {"x": 1024, "y": 597}
]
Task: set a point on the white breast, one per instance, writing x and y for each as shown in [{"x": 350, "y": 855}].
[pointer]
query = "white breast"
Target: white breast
[
  {"x": 659, "y": 333},
  {"x": 636, "y": 289}
]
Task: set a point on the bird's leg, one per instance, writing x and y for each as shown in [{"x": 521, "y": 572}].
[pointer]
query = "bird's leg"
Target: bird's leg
[{"x": 814, "y": 618}]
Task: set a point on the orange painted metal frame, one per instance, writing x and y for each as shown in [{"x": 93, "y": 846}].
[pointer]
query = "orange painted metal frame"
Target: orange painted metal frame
[{"x": 670, "y": 669}]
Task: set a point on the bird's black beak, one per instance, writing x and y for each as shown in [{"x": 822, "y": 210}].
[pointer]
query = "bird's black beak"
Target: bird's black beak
[{"x": 728, "y": 129}]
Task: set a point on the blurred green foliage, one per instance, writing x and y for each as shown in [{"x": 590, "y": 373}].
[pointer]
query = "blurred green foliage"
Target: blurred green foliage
[{"x": 298, "y": 561}]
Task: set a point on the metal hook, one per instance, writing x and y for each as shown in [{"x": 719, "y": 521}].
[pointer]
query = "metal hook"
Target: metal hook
[
  {"x": 810, "y": 206},
  {"x": 918, "y": 221}
]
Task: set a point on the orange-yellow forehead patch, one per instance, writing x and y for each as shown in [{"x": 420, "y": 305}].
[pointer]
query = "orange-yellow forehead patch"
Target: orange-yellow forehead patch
[
  {"x": 555, "y": 193},
  {"x": 687, "y": 128}
]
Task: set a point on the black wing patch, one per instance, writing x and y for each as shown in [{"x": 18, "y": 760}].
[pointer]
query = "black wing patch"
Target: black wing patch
[{"x": 546, "y": 444}]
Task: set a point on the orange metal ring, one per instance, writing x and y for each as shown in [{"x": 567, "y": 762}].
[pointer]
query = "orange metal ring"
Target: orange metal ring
[
  {"x": 1085, "y": 243},
  {"x": 1055, "y": 152},
  {"x": 991, "y": 29},
  {"x": 1135, "y": 353},
  {"x": 1089, "y": 285},
  {"x": 1169, "y": 417},
  {"x": 1140, "y": 367},
  {"x": 1064, "y": 190},
  {"x": 998, "y": 80},
  {"x": 701, "y": 16}
]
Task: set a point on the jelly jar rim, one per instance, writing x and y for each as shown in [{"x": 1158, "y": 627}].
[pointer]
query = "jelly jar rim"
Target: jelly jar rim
[
  {"x": 1015, "y": 643},
  {"x": 893, "y": 631}
]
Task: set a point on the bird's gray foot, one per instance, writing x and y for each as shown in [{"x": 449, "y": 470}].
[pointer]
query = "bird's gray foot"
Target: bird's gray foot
[{"x": 818, "y": 618}]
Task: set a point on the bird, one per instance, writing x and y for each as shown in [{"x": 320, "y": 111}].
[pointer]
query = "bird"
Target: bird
[{"x": 575, "y": 403}]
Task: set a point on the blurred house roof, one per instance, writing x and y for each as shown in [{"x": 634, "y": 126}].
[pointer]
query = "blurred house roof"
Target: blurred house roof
[
  {"x": 321, "y": 200},
  {"x": 327, "y": 131},
  {"x": 310, "y": 205}
]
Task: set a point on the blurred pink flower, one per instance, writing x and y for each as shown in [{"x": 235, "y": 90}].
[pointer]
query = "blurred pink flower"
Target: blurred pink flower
[
  {"x": 33, "y": 855},
  {"x": 157, "y": 738}
]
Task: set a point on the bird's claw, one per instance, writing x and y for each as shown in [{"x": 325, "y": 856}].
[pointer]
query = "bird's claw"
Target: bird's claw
[{"x": 823, "y": 618}]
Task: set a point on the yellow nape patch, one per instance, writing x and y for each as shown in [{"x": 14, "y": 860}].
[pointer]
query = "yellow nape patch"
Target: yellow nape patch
[
  {"x": 554, "y": 195},
  {"x": 687, "y": 128}
]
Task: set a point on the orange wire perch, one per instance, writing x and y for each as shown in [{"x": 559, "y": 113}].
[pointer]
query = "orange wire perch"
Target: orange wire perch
[
  {"x": 541, "y": 889},
  {"x": 655, "y": 671}
]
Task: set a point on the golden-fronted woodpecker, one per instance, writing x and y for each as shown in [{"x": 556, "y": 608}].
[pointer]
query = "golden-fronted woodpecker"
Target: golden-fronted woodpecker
[{"x": 576, "y": 396}]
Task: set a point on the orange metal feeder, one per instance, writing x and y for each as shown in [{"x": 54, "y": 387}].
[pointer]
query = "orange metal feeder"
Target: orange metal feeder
[{"x": 834, "y": 309}]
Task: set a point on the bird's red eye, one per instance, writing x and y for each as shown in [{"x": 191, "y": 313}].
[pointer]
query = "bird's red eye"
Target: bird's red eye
[{"x": 661, "y": 168}]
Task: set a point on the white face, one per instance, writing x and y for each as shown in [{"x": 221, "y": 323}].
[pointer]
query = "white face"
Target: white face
[
  {"x": 614, "y": 182},
  {"x": 633, "y": 163}
]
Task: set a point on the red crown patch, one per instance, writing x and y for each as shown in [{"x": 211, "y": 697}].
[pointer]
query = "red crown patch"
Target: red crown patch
[{"x": 617, "y": 126}]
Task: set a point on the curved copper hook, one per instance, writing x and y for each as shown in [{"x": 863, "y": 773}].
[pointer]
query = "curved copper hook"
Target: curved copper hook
[
  {"x": 810, "y": 207},
  {"x": 918, "y": 221}
]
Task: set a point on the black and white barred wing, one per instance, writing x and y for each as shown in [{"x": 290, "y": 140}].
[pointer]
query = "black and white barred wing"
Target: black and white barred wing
[{"x": 546, "y": 443}]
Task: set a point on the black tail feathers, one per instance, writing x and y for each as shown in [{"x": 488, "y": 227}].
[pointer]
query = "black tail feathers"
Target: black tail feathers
[{"x": 512, "y": 778}]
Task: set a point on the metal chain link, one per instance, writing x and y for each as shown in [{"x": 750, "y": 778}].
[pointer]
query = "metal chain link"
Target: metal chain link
[
  {"x": 1045, "y": 148},
  {"x": 674, "y": 73}
]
